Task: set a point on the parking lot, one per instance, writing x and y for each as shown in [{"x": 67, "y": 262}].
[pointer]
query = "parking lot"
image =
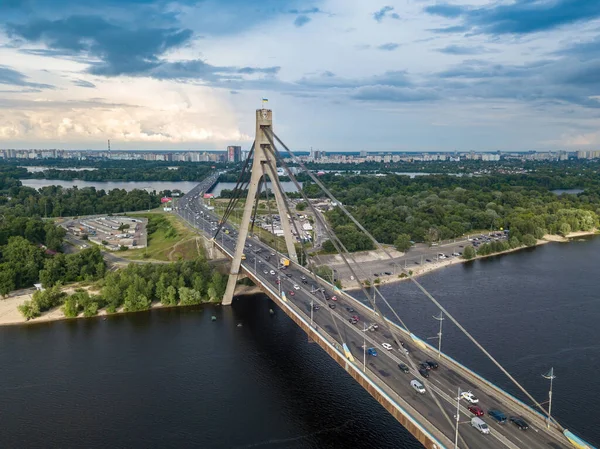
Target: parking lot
[{"x": 113, "y": 232}]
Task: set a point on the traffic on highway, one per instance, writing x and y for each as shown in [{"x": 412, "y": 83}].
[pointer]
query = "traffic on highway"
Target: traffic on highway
[{"x": 427, "y": 387}]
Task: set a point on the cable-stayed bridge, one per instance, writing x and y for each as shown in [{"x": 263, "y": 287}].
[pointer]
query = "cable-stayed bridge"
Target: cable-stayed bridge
[{"x": 379, "y": 352}]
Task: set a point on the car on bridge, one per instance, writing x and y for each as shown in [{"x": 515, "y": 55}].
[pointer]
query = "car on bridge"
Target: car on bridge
[
  {"x": 431, "y": 363},
  {"x": 497, "y": 415},
  {"x": 352, "y": 321},
  {"x": 404, "y": 368},
  {"x": 387, "y": 346},
  {"x": 519, "y": 422},
  {"x": 475, "y": 410},
  {"x": 372, "y": 351},
  {"x": 332, "y": 306},
  {"x": 469, "y": 397},
  {"x": 296, "y": 287},
  {"x": 418, "y": 386},
  {"x": 423, "y": 372},
  {"x": 292, "y": 293}
]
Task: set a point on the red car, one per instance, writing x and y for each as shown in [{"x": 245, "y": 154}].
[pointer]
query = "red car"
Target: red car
[
  {"x": 334, "y": 298},
  {"x": 356, "y": 317},
  {"x": 291, "y": 293},
  {"x": 475, "y": 410}
]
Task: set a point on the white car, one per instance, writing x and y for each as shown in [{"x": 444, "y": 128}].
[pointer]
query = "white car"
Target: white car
[
  {"x": 387, "y": 346},
  {"x": 469, "y": 397},
  {"x": 296, "y": 287},
  {"x": 418, "y": 386},
  {"x": 272, "y": 273}
]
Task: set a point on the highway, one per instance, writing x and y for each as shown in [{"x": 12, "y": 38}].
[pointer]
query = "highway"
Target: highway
[{"x": 443, "y": 382}]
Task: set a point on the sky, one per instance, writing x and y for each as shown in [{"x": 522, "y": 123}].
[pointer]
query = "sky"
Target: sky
[{"x": 340, "y": 75}]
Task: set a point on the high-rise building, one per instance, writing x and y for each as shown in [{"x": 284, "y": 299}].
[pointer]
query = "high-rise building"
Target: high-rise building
[{"x": 234, "y": 154}]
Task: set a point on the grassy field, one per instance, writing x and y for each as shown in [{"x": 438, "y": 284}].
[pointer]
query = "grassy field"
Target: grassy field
[{"x": 169, "y": 239}]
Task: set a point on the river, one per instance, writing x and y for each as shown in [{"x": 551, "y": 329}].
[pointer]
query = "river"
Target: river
[
  {"x": 172, "y": 378},
  {"x": 158, "y": 186}
]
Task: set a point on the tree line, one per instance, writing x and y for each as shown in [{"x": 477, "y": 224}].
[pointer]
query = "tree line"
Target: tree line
[
  {"x": 134, "y": 289},
  {"x": 431, "y": 208}
]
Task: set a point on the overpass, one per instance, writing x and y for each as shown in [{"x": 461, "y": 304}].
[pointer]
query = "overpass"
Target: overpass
[{"x": 439, "y": 418}]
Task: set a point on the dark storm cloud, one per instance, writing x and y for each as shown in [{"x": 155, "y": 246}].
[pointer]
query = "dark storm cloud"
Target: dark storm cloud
[
  {"x": 120, "y": 50},
  {"x": 114, "y": 50},
  {"x": 520, "y": 17}
]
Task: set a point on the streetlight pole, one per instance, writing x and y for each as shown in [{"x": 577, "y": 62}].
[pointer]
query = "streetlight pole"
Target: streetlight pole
[
  {"x": 549, "y": 375},
  {"x": 312, "y": 301},
  {"x": 457, "y": 419},
  {"x": 364, "y": 346},
  {"x": 440, "y": 319}
]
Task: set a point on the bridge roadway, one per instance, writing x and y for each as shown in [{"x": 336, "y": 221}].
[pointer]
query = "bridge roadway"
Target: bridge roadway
[{"x": 383, "y": 369}]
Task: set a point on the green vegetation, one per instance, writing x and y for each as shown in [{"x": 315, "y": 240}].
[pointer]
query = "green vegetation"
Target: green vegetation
[
  {"x": 140, "y": 171},
  {"x": 169, "y": 239},
  {"x": 402, "y": 242},
  {"x": 27, "y": 255},
  {"x": 184, "y": 283},
  {"x": 429, "y": 208},
  {"x": 469, "y": 252}
]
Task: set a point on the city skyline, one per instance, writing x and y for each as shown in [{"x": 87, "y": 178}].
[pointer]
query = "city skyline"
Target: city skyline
[{"x": 339, "y": 75}]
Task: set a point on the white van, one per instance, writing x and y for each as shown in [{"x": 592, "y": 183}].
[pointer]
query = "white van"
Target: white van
[
  {"x": 418, "y": 386},
  {"x": 480, "y": 425}
]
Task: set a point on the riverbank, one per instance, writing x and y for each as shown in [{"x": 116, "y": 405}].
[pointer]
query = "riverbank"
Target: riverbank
[{"x": 419, "y": 270}]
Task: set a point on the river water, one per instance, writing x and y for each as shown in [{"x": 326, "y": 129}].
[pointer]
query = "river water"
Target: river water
[
  {"x": 172, "y": 378},
  {"x": 158, "y": 186}
]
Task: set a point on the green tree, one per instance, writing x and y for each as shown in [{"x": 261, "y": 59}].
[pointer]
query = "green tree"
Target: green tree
[
  {"x": 402, "y": 242},
  {"x": 564, "y": 229},
  {"x": 529, "y": 240},
  {"x": 469, "y": 252},
  {"x": 29, "y": 309},
  {"x": 301, "y": 206},
  {"x": 70, "y": 308},
  {"x": 189, "y": 296}
]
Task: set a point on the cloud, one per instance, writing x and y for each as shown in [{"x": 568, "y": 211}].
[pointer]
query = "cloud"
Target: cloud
[
  {"x": 520, "y": 16},
  {"x": 445, "y": 10},
  {"x": 301, "y": 21},
  {"x": 464, "y": 50},
  {"x": 386, "y": 11},
  {"x": 390, "y": 46},
  {"x": 120, "y": 50},
  {"x": 113, "y": 50},
  {"x": 393, "y": 94},
  {"x": 83, "y": 83},
  {"x": 12, "y": 77},
  {"x": 452, "y": 29}
]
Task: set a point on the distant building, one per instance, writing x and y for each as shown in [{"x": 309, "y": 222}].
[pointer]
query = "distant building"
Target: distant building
[{"x": 234, "y": 154}]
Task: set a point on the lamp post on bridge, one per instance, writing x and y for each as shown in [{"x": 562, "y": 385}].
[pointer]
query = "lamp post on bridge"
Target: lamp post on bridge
[
  {"x": 457, "y": 419},
  {"x": 364, "y": 347},
  {"x": 549, "y": 375},
  {"x": 440, "y": 319},
  {"x": 312, "y": 308}
]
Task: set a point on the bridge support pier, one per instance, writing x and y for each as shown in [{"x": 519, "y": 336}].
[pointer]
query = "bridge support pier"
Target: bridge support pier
[{"x": 263, "y": 164}]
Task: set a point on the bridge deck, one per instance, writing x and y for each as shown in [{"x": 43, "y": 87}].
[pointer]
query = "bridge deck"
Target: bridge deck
[{"x": 381, "y": 376}]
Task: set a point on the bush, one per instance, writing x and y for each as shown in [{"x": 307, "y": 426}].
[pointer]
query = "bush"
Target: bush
[
  {"x": 469, "y": 253},
  {"x": 29, "y": 309},
  {"x": 529, "y": 240}
]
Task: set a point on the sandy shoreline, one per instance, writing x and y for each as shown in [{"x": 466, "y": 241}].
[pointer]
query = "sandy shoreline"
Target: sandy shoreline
[
  {"x": 420, "y": 270},
  {"x": 10, "y": 315}
]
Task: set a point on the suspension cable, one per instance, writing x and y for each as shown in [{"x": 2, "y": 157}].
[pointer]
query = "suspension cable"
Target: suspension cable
[
  {"x": 341, "y": 250},
  {"x": 427, "y": 294}
]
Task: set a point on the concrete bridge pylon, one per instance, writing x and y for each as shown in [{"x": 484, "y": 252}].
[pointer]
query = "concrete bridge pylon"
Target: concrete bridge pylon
[{"x": 264, "y": 165}]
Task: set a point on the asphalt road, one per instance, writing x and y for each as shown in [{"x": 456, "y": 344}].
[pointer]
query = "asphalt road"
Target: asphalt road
[{"x": 442, "y": 384}]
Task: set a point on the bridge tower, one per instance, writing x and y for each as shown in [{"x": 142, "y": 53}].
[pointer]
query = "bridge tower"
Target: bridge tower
[{"x": 264, "y": 164}]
